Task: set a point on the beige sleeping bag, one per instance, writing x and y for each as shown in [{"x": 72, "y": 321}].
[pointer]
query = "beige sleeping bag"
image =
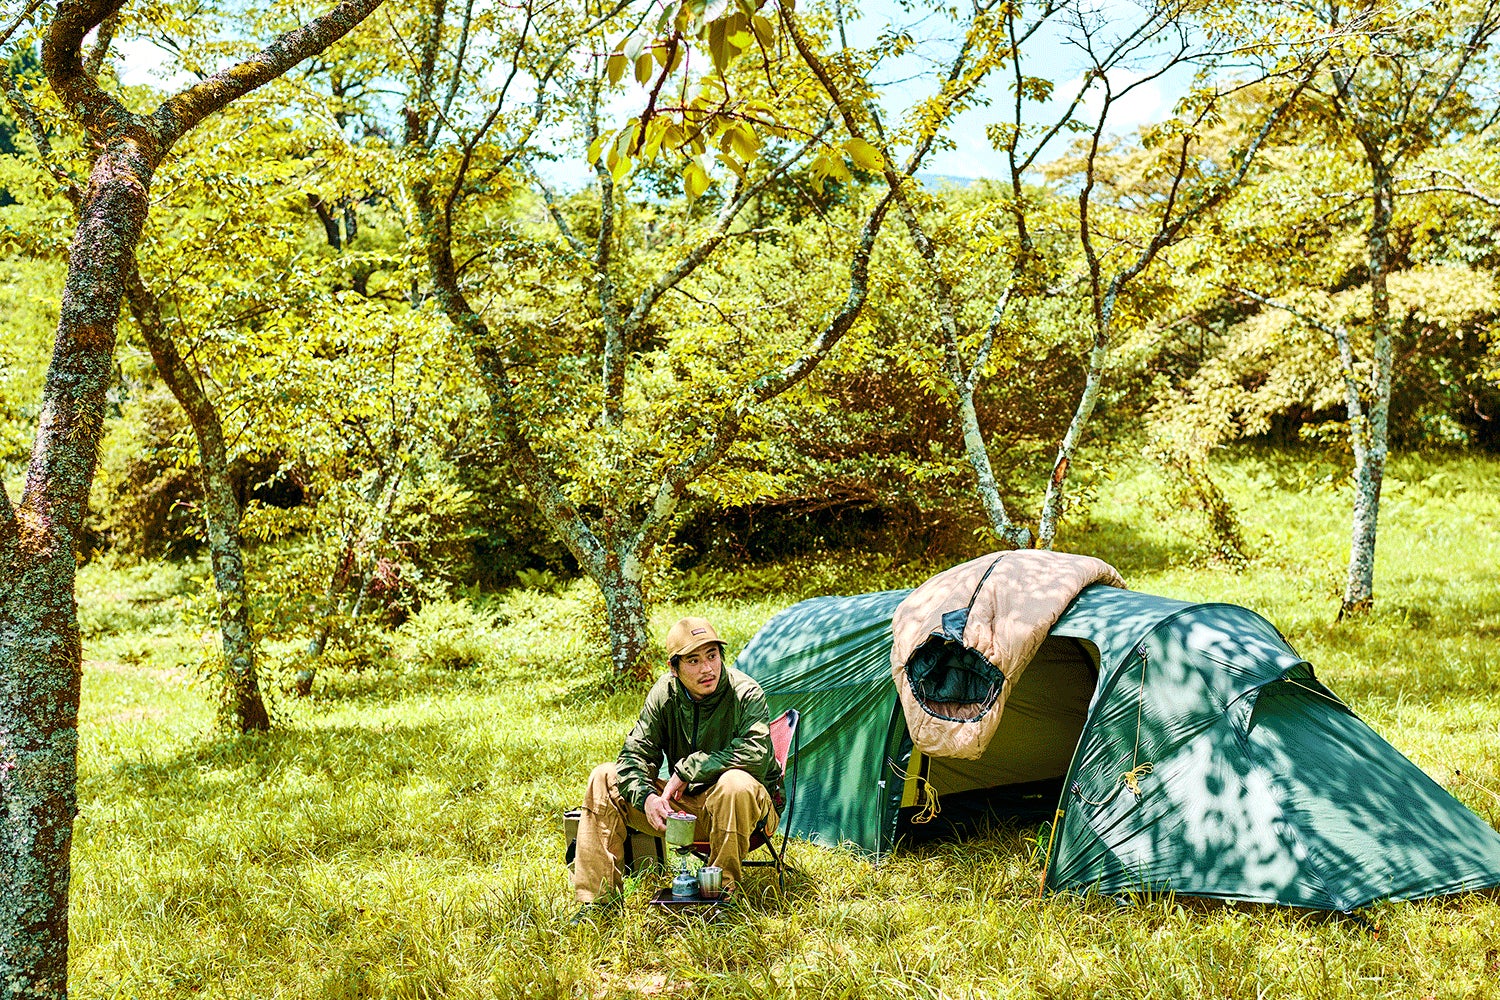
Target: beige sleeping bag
[{"x": 964, "y": 637}]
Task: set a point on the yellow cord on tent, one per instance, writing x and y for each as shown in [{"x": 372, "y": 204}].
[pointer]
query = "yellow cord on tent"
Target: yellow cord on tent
[
  {"x": 927, "y": 799},
  {"x": 1131, "y": 779}
]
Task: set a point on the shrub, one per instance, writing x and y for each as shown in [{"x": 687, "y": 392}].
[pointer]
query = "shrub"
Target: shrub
[{"x": 448, "y": 634}]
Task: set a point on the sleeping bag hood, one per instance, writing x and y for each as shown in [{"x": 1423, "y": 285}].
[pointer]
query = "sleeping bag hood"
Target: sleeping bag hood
[{"x": 962, "y": 639}]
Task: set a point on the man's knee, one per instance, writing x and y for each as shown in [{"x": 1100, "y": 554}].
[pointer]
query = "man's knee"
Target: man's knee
[
  {"x": 602, "y": 780},
  {"x": 735, "y": 783}
]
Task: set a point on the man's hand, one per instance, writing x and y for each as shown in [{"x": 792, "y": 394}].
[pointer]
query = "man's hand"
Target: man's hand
[
  {"x": 659, "y": 806},
  {"x": 675, "y": 787},
  {"x": 656, "y": 812}
]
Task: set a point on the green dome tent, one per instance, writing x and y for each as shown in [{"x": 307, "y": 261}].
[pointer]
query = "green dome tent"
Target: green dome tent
[{"x": 1183, "y": 747}]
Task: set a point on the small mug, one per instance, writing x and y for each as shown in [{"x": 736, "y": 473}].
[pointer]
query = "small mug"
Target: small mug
[{"x": 710, "y": 881}]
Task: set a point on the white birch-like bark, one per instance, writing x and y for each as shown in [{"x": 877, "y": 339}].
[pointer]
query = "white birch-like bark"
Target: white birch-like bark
[
  {"x": 1169, "y": 228},
  {"x": 1369, "y": 433}
]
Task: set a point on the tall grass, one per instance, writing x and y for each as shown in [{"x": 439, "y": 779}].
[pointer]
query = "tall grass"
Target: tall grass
[{"x": 398, "y": 835}]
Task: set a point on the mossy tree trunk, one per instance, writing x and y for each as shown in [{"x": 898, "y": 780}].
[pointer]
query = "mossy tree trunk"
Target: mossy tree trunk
[
  {"x": 241, "y": 706},
  {"x": 1369, "y": 426},
  {"x": 40, "y": 646}
]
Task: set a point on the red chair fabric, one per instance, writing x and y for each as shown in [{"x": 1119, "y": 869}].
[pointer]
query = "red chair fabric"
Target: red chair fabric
[{"x": 784, "y": 746}]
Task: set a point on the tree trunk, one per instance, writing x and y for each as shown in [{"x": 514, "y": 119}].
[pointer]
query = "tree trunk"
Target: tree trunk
[
  {"x": 1370, "y": 436},
  {"x": 1052, "y": 502},
  {"x": 40, "y": 645},
  {"x": 1008, "y": 531},
  {"x": 389, "y": 486},
  {"x": 303, "y": 681},
  {"x": 39, "y": 688},
  {"x": 625, "y": 613},
  {"x": 241, "y": 707}
]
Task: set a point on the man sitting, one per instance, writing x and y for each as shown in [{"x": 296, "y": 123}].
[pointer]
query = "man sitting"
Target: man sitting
[{"x": 710, "y": 724}]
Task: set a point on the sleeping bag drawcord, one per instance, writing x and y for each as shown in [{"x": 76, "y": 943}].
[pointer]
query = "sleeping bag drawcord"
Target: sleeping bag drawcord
[{"x": 927, "y": 799}]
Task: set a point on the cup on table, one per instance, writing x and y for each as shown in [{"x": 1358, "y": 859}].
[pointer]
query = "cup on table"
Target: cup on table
[{"x": 710, "y": 881}]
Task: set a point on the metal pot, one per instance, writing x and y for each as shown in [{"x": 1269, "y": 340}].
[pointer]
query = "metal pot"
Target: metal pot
[{"x": 680, "y": 827}]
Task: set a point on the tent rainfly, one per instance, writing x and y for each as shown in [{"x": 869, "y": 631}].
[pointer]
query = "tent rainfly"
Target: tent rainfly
[{"x": 1179, "y": 747}]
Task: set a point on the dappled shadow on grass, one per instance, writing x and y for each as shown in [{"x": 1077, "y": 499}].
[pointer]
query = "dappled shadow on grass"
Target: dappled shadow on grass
[
  {"x": 591, "y": 691},
  {"x": 386, "y": 686},
  {"x": 205, "y": 771},
  {"x": 450, "y": 792},
  {"x": 366, "y": 687},
  {"x": 1130, "y": 550}
]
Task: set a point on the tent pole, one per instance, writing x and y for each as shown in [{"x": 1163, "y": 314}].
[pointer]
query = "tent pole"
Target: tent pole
[{"x": 1041, "y": 885}]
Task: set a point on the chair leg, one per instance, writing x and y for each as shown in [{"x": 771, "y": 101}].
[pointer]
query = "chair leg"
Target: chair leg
[{"x": 779, "y": 862}]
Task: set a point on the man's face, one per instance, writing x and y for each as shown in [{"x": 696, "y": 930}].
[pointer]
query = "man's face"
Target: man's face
[{"x": 699, "y": 671}]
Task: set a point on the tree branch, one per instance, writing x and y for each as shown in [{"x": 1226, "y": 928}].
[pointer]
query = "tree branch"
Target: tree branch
[
  {"x": 1461, "y": 186},
  {"x": 553, "y": 209},
  {"x": 674, "y": 481},
  {"x": 1341, "y": 340},
  {"x": 740, "y": 197},
  {"x": 535, "y": 474},
  {"x": 18, "y": 20},
  {"x": 1480, "y": 196},
  {"x": 458, "y": 59},
  {"x": 24, "y": 113},
  {"x": 106, "y": 33},
  {"x": 185, "y": 110},
  {"x": 100, "y": 114}
]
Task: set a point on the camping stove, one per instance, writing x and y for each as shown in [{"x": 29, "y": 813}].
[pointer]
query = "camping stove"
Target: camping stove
[{"x": 680, "y": 829}]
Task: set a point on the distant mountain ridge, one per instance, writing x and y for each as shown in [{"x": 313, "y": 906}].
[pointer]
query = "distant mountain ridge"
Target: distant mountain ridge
[{"x": 940, "y": 181}]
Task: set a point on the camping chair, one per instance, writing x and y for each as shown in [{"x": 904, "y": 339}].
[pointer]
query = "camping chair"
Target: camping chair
[{"x": 784, "y": 743}]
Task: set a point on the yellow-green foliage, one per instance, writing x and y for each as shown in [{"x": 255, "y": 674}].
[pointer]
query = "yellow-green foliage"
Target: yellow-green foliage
[
  {"x": 400, "y": 836},
  {"x": 28, "y": 300},
  {"x": 1275, "y": 364}
]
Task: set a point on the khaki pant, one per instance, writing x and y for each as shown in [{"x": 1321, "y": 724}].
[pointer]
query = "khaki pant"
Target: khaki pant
[{"x": 728, "y": 812}]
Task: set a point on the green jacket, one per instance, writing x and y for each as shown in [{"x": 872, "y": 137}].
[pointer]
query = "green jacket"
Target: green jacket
[{"x": 699, "y": 740}]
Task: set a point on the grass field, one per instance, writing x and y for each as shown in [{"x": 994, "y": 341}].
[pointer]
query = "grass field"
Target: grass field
[{"x": 399, "y": 835}]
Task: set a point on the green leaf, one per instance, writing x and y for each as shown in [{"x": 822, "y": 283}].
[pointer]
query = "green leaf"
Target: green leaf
[
  {"x": 864, "y": 155},
  {"x": 732, "y": 164},
  {"x": 764, "y": 30},
  {"x": 615, "y": 68},
  {"x": 656, "y": 129},
  {"x": 717, "y": 47},
  {"x": 620, "y": 168},
  {"x": 744, "y": 141},
  {"x": 694, "y": 180},
  {"x": 643, "y": 67}
]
